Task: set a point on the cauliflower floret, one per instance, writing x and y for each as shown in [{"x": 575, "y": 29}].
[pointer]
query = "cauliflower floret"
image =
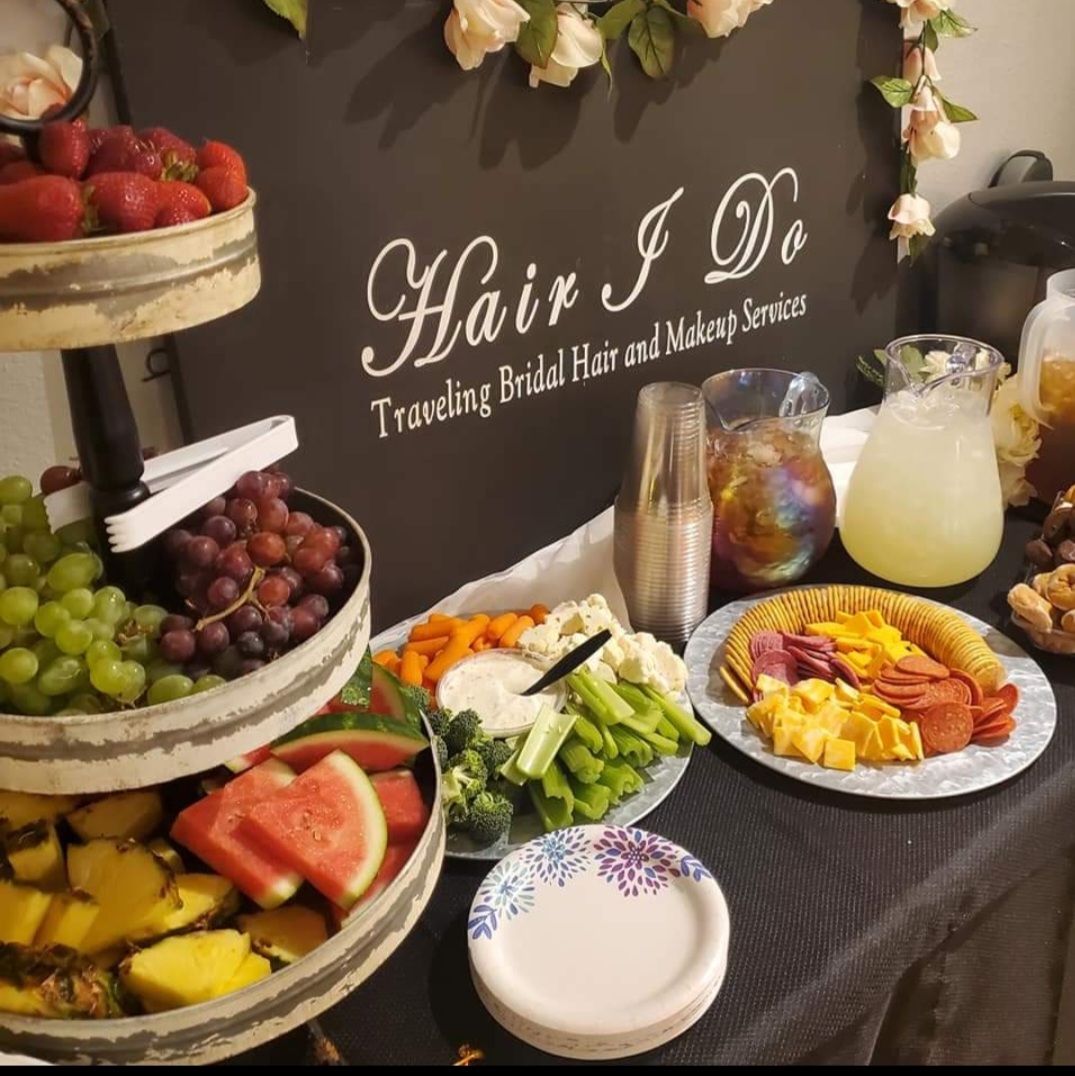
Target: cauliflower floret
[
  {"x": 612, "y": 652},
  {"x": 645, "y": 660},
  {"x": 673, "y": 671},
  {"x": 541, "y": 639},
  {"x": 638, "y": 664}
]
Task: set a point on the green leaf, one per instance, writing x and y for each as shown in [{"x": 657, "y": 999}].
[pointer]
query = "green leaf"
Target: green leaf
[
  {"x": 607, "y": 68},
  {"x": 916, "y": 245},
  {"x": 870, "y": 372},
  {"x": 896, "y": 91},
  {"x": 929, "y": 37},
  {"x": 618, "y": 18},
  {"x": 908, "y": 175},
  {"x": 652, "y": 38},
  {"x": 951, "y": 24},
  {"x": 684, "y": 22},
  {"x": 956, "y": 113},
  {"x": 537, "y": 38},
  {"x": 292, "y": 10},
  {"x": 880, "y": 355},
  {"x": 910, "y": 356}
]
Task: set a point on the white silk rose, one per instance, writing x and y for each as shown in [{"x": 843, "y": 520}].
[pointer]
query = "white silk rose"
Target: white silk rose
[
  {"x": 477, "y": 27},
  {"x": 928, "y": 134},
  {"x": 919, "y": 61},
  {"x": 720, "y": 17},
  {"x": 30, "y": 85},
  {"x": 1017, "y": 440},
  {"x": 578, "y": 44},
  {"x": 910, "y": 216},
  {"x": 913, "y": 13}
]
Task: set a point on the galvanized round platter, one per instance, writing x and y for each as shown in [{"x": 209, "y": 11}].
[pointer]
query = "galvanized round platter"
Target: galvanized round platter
[{"x": 970, "y": 770}]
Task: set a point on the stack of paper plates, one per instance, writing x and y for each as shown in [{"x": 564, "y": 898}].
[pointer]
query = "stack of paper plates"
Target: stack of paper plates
[{"x": 598, "y": 942}]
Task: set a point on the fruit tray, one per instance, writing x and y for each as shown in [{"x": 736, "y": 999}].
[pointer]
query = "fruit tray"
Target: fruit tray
[
  {"x": 115, "y": 288},
  {"x": 129, "y": 749}
]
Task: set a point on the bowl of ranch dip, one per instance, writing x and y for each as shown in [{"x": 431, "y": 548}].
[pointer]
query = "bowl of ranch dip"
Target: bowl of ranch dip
[{"x": 492, "y": 682}]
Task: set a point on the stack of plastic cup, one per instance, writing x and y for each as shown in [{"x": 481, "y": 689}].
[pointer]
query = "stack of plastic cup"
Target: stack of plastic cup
[{"x": 663, "y": 515}]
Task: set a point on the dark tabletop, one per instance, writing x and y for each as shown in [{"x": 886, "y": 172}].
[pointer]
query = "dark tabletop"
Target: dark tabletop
[{"x": 832, "y": 897}]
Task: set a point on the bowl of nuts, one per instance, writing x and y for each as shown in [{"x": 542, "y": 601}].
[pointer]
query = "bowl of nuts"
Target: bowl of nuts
[{"x": 1044, "y": 605}]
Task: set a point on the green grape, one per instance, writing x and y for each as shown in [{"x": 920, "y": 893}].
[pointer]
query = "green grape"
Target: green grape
[
  {"x": 128, "y": 611},
  {"x": 102, "y": 650},
  {"x": 49, "y": 617},
  {"x": 13, "y": 537},
  {"x": 77, "y": 535},
  {"x": 18, "y": 605},
  {"x": 170, "y": 689},
  {"x": 7, "y": 636},
  {"x": 21, "y": 570},
  {"x": 208, "y": 682},
  {"x": 3, "y": 551},
  {"x": 29, "y": 700},
  {"x": 74, "y": 637},
  {"x": 64, "y": 675},
  {"x": 141, "y": 648},
  {"x": 149, "y": 617},
  {"x": 106, "y": 676},
  {"x": 134, "y": 681},
  {"x": 74, "y": 570},
  {"x": 43, "y": 546},
  {"x": 15, "y": 489},
  {"x": 45, "y": 650},
  {"x": 11, "y": 513},
  {"x": 78, "y": 602},
  {"x": 101, "y": 629},
  {"x": 109, "y": 605},
  {"x": 18, "y": 665},
  {"x": 69, "y": 711},
  {"x": 87, "y": 703},
  {"x": 158, "y": 669},
  {"x": 35, "y": 515}
]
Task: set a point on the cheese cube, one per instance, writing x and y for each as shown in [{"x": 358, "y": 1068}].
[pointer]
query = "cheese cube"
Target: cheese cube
[
  {"x": 831, "y": 716},
  {"x": 782, "y": 740},
  {"x": 811, "y": 741},
  {"x": 814, "y": 692},
  {"x": 872, "y": 750},
  {"x": 839, "y": 755},
  {"x": 770, "y": 685},
  {"x": 917, "y": 751},
  {"x": 872, "y": 704}
]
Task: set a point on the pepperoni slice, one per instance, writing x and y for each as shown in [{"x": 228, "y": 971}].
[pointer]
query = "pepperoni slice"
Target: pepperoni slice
[
  {"x": 1009, "y": 693},
  {"x": 994, "y": 737},
  {"x": 990, "y": 709},
  {"x": 920, "y": 665},
  {"x": 893, "y": 675},
  {"x": 763, "y": 641},
  {"x": 946, "y": 727},
  {"x": 901, "y": 691},
  {"x": 944, "y": 691},
  {"x": 976, "y": 693}
]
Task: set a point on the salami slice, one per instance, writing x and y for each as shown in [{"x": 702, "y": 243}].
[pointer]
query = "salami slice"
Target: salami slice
[
  {"x": 920, "y": 665},
  {"x": 821, "y": 643},
  {"x": 846, "y": 671},
  {"x": 763, "y": 641},
  {"x": 946, "y": 727},
  {"x": 1010, "y": 694},
  {"x": 778, "y": 664},
  {"x": 976, "y": 693},
  {"x": 816, "y": 663}
]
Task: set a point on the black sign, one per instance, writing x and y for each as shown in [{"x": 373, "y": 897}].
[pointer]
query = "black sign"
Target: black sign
[{"x": 467, "y": 281}]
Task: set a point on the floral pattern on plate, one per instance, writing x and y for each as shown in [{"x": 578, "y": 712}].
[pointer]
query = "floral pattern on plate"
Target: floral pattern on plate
[
  {"x": 507, "y": 891},
  {"x": 557, "y": 857}
]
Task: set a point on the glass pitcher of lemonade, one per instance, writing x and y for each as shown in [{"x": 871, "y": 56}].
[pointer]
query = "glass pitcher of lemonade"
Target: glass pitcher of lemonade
[
  {"x": 924, "y": 506},
  {"x": 1047, "y": 385}
]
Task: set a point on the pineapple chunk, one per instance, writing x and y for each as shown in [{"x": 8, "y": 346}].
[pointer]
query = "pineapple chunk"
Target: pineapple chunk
[
  {"x": 185, "y": 969},
  {"x": 253, "y": 968},
  {"x": 68, "y": 920},
  {"x": 167, "y": 852},
  {"x": 133, "y": 887},
  {"x": 126, "y": 816},
  {"x": 22, "y": 911},
  {"x": 207, "y": 899},
  {"x": 18, "y": 809},
  {"x": 55, "y": 983},
  {"x": 285, "y": 934},
  {"x": 35, "y": 855},
  {"x": 839, "y": 755}
]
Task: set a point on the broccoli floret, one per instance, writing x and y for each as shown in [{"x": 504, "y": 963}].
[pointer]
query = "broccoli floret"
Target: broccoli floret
[
  {"x": 438, "y": 721},
  {"x": 464, "y": 730},
  {"x": 490, "y": 817},
  {"x": 470, "y": 763},
  {"x": 463, "y": 779},
  {"x": 441, "y": 749},
  {"x": 494, "y": 753}
]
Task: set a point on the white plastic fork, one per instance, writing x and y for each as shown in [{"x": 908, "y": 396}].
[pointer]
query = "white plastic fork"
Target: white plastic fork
[{"x": 182, "y": 481}]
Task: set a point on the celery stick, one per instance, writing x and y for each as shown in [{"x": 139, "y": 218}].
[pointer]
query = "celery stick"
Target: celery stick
[
  {"x": 661, "y": 744},
  {"x": 611, "y": 748},
  {"x": 588, "y": 733},
  {"x": 642, "y": 723},
  {"x": 590, "y": 699},
  {"x": 510, "y": 770},
  {"x": 635, "y": 696},
  {"x": 576, "y": 757},
  {"x": 616, "y": 705},
  {"x": 543, "y": 741},
  {"x": 687, "y": 724},
  {"x": 554, "y": 813},
  {"x": 621, "y": 778},
  {"x": 633, "y": 748},
  {"x": 667, "y": 729},
  {"x": 591, "y": 801}
]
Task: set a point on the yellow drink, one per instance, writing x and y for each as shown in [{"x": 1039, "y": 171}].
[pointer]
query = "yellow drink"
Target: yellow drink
[{"x": 924, "y": 506}]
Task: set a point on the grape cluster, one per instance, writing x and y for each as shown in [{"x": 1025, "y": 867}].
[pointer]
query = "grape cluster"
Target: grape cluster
[
  {"x": 257, "y": 579},
  {"x": 68, "y": 644}
]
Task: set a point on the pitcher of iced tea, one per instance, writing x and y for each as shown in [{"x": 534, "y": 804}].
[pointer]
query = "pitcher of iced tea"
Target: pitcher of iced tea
[
  {"x": 1047, "y": 385},
  {"x": 924, "y": 506}
]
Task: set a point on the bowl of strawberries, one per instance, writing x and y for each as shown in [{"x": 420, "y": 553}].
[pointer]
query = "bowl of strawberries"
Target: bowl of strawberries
[{"x": 109, "y": 234}]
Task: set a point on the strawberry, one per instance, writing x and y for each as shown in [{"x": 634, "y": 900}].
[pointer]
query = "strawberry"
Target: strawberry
[
  {"x": 180, "y": 203},
  {"x": 224, "y": 187},
  {"x": 177, "y": 155},
  {"x": 123, "y": 201},
  {"x": 220, "y": 154},
  {"x": 122, "y": 151},
  {"x": 64, "y": 148},
  {"x": 42, "y": 209},
  {"x": 19, "y": 170},
  {"x": 10, "y": 151}
]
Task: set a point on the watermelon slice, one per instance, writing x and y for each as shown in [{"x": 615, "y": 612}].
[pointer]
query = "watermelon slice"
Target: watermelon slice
[
  {"x": 249, "y": 760},
  {"x": 376, "y": 743},
  {"x": 405, "y": 811},
  {"x": 328, "y": 825},
  {"x": 210, "y": 828},
  {"x": 386, "y": 695},
  {"x": 395, "y": 859}
]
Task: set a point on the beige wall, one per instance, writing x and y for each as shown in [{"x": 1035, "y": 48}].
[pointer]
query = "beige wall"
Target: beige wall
[{"x": 1017, "y": 73}]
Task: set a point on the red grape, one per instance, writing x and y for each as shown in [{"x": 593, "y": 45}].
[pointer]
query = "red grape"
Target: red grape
[
  {"x": 322, "y": 538},
  {"x": 274, "y": 591},
  {"x": 272, "y": 514},
  {"x": 317, "y": 605},
  {"x": 285, "y": 485},
  {"x": 173, "y": 622},
  {"x": 251, "y": 645},
  {"x": 236, "y": 563},
  {"x": 214, "y": 508},
  {"x": 59, "y": 477},
  {"x": 175, "y": 541},
  {"x": 177, "y": 646},
  {"x": 308, "y": 561},
  {"x": 293, "y": 580},
  {"x": 221, "y": 529},
  {"x": 245, "y": 618},
  {"x": 327, "y": 581},
  {"x": 213, "y": 639},
  {"x": 201, "y": 551},
  {"x": 253, "y": 485},
  {"x": 266, "y": 548},
  {"x": 243, "y": 513},
  {"x": 299, "y": 523},
  {"x": 221, "y": 592},
  {"x": 304, "y": 623}
]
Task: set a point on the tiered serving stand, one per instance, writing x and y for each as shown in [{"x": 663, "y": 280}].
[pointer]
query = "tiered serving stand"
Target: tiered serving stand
[{"x": 83, "y": 297}]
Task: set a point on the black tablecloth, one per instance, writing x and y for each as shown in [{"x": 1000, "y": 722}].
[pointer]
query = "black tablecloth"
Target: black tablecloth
[{"x": 863, "y": 931}]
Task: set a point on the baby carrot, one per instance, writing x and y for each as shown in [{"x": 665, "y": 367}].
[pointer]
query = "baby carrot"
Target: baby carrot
[
  {"x": 386, "y": 657},
  {"x": 481, "y": 644},
  {"x": 539, "y": 612},
  {"x": 470, "y": 631},
  {"x": 434, "y": 617},
  {"x": 410, "y": 668},
  {"x": 457, "y": 648},
  {"x": 511, "y": 636},
  {"x": 500, "y": 624},
  {"x": 426, "y": 646},
  {"x": 434, "y": 629}
]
